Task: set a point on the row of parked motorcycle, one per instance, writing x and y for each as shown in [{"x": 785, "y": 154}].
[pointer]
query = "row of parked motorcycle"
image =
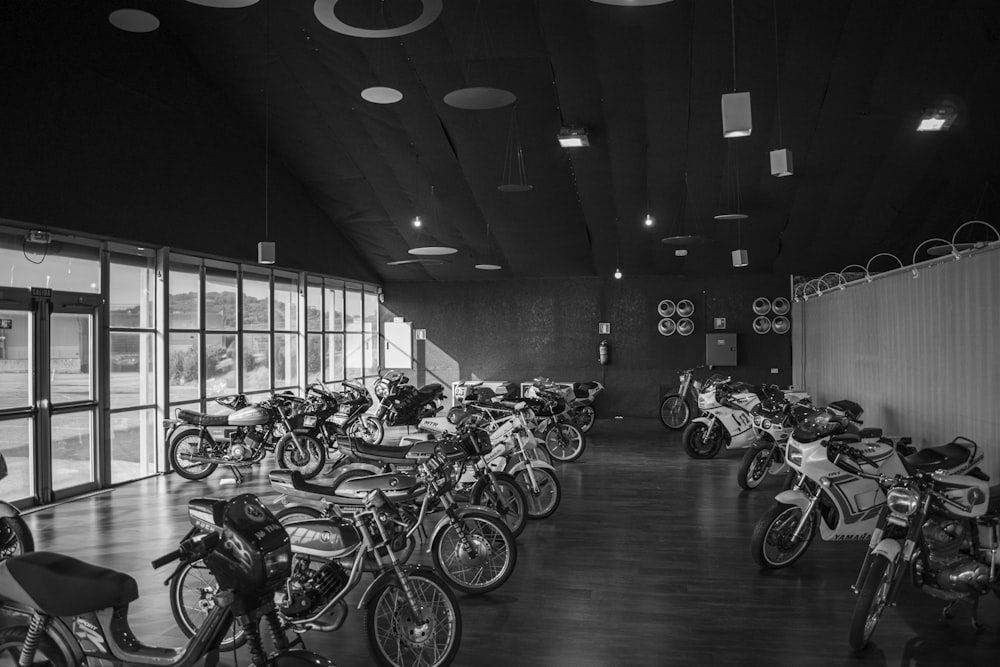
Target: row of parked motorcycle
[
  {"x": 485, "y": 469},
  {"x": 930, "y": 516}
]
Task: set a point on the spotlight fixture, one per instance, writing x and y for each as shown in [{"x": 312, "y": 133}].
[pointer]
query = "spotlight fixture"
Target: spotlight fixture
[
  {"x": 618, "y": 274},
  {"x": 265, "y": 252},
  {"x": 740, "y": 258},
  {"x": 573, "y": 137},
  {"x": 417, "y": 221},
  {"x": 649, "y": 220}
]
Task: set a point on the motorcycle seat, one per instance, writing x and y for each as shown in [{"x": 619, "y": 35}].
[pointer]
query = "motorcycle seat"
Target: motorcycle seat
[
  {"x": 351, "y": 491},
  {"x": 431, "y": 389},
  {"x": 201, "y": 419},
  {"x": 941, "y": 457},
  {"x": 870, "y": 432},
  {"x": 61, "y": 585},
  {"x": 381, "y": 452}
]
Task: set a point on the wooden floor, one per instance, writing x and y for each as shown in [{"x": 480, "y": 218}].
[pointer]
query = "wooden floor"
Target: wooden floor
[{"x": 646, "y": 562}]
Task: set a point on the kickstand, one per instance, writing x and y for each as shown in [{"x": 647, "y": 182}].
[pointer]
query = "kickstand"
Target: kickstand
[
  {"x": 976, "y": 625},
  {"x": 946, "y": 613},
  {"x": 237, "y": 475}
]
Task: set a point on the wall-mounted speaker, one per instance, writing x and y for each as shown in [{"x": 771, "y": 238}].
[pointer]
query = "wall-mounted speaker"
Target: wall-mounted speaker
[
  {"x": 666, "y": 308},
  {"x": 666, "y": 327},
  {"x": 761, "y": 306},
  {"x": 761, "y": 325},
  {"x": 685, "y": 308},
  {"x": 781, "y": 324},
  {"x": 780, "y": 306},
  {"x": 685, "y": 327}
]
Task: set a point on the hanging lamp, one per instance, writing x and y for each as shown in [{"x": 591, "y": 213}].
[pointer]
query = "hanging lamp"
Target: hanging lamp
[
  {"x": 780, "y": 158},
  {"x": 731, "y": 198},
  {"x": 737, "y": 120},
  {"x": 382, "y": 94},
  {"x": 266, "y": 251},
  {"x": 424, "y": 244},
  {"x": 488, "y": 265},
  {"x": 479, "y": 97},
  {"x": 513, "y": 177},
  {"x": 682, "y": 241},
  {"x": 741, "y": 257}
]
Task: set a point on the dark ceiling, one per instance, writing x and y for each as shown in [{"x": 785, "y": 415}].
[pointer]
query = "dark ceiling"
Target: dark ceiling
[{"x": 854, "y": 78}]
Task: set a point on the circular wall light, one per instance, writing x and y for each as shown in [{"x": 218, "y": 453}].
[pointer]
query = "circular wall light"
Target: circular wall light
[
  {"x": 761, "y": 325},
  {"x": 666, "y": 327},
  {"x": 781, "y": 325},
  {"x": 685, "y": 308},
  {"x": 666, "y": 308},
  {"x": 761, "y": 305},
  {"x": 780, "y": 306},
  {"x": 685, "y": 327}
]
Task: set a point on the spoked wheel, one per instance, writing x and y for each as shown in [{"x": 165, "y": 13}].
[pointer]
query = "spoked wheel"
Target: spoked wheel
[
  {"x": 193, "y": 592},
  {"x": 187, "y": 444},
  {"x": 755, "y": 466},
  {"x": 505, "y": 497},
  {"x": 308, "y": 456},
  {"x": 477, "y": 555},
  {"x": 772, "y": 545},
  {"x": 699, "y": 443},
  {"x": 565, "y": 442},
  {"x": 368, "y": 429},
  {"x": 400, "y": 636},
  {"x": 872, "y": 601},
  {"x": 47, "y": 653},
  {"x": 15, "y": 538},
  {"x": 584, "y": 418},
  {"x": 544, "y": 500},
  {"x": 675, "y": 413}
]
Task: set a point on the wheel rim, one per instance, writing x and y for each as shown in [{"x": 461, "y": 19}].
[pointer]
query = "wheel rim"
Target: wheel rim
[
  {"x": 404, "y": 638},
  {"x": 484, "y": 564},
  {"x": 778, "y": 546},
  {"x": 675, "y": 412},
  {"x": 506, "y": 502},
  {"x": 542, "y": 500},
  {"x": 562, "y": 443},
  {"x": 758, "y": 468},
  {"x": 10, "y": 543},
  {"x": 186, "y": 448},
  {"x": 703, "y": 441},
  {"x": 300, "y": 460},
  {"x": 585, "y": 418},
  {"x": 196, "y": 599}
]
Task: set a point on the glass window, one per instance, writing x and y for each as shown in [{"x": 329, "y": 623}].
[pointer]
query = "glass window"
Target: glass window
[
  {"x": 220, "y": 364},
  {"x": 286, "y": 304},
  {"x": 314, "y": 357},
  {"x": 17, "y": 445},
  {"x": 314, "y": 305},
  {"x": 334, "y": 309},
  {"x": 220, "y": 300},
  {"x": 72, "y": 449},
  {"x": 334, "y": 370},
  {"x": 371, "y": 354},
  {"x": 286, "y": 359},
  {"x": 256, "y": 362},
  {"x": 133, "y": 291},
  {"x": 16, "y": 360},
  {"x": 352, "y": 310},
  {"x": 133, "y": 445},
  {"x": 58, "y": 265},
  {"x": 256, "y": 301},
  {"x": 371, "y": 312},
  {"x": 70, "y": 352},
  {"x": 184, "y": 291},
  {"x": 353, "y": 357},
  {"x": 184, "y": 367},
  {"x": 133, "y": 369}
]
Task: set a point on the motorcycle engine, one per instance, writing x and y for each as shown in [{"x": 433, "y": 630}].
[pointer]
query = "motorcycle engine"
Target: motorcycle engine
[
  {"x": 951, "y": 568},
  {"x": 310, "y": 589},
  {"x": 244, "y": 442}
]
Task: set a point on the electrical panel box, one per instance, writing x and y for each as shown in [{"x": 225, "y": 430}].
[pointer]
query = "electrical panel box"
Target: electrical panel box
[{"x": 720, "y": 349}]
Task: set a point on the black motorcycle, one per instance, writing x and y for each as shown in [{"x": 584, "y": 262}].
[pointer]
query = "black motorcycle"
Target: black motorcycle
[{"x": 402, "y": 404}]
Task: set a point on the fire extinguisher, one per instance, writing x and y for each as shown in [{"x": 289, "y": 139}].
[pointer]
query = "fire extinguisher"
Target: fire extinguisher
[{"x": 603, "y": 352}]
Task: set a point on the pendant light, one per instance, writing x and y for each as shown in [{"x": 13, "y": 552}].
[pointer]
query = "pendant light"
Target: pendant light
[
  {"x": 479, "y": 97},
  {"x": 740, "y": 256},
  {"x": 382, "y": 94},
  {"x": 730, "y": 196},
  {"x": 488, "y": 265},
  {"x": 266, "y": 251},
  {"x": 513, "y": 177},
  {"x": 781, "y": 158},
  {"x": 425, "y": 243},
  {"x": 736, "y": 117}
]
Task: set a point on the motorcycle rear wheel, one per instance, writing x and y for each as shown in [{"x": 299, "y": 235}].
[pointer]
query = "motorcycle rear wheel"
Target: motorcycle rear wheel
[
  {"x": 506, "y": 498},
  {"x": 755, "y": 466},
  {"x": 15, "y": 537},
  {"x": 368, "y": 429},
  {"x": 309, "y": 462},
  {"x": 186, "y": 443},
  {"x": 398, "y": 639},
  {"x": 584, "y": 417},
  {"x": 872, "y": 601},
  {"x": 675, "y": 413},
  {"x": 697, "y": 446},
  {"x": 565, "y": 442},
  {"x": 192, "y": 597},
  {"x": 47, "y": 652},
  {"x": 491, "y": 560},
  {"x": 771, "y": 545}
]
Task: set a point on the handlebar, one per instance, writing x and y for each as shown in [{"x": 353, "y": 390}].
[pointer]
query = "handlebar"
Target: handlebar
[
  {"x": 191, "y": 549},
  {"x": 168, "y": 558}
]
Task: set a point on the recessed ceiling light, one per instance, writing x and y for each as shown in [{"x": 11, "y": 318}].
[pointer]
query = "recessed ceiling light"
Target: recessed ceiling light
[
  {"x": 433, "y": 250},
  {"x": 488, "y": 267},
  {"x": 573, "y": 137},
  {"x": 133, "y": 20},
  {"x": 381, "y": 95},
  {"x": 937, "y": 118}
]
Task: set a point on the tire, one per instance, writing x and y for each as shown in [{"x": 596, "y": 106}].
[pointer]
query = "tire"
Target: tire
[
  {"x": 675, "y": 413},
  {"x": 287, "y": 455},
  {"x": 186, "y": 443},
  {"x": 696, "y": 446},
  {"x": 770, "y": 545},
  {"x": 872, "y": 601},
  {"x": 584, "y": 418},
  {"x": 15, "y": 537},
  {"x": 565, "y": 442},
  {"x": 506, "y": 498},
  {"x": 368, "y": 429},
  {"x": 397, "y": 639},
  {"x": 491, "y": 560},
  {"x": 48, "y": 652},
  {"x": 541, "y": 505},
  {"x": 297, "y": 513},
  {"x": 192, "y": 596},
  {"x": 755, "y": 466}
]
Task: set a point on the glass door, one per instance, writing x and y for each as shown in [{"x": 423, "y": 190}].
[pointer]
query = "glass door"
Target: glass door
[{"x": 17, "y": 390}]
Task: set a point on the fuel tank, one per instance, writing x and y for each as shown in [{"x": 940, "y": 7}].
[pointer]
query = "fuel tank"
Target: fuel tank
[
  {"x": 326, "y": 538},
  {"x": 249, "y": 416},
  {"x": 394, "y": 485}
]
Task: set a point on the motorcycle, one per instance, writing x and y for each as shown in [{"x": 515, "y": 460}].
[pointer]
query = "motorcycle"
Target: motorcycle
[
  {"x": 774, "y": 419},
  {"x": 63, "y": 611},
  {"x": 726, "y": 420},
  {"x": 402, "y": 404},
  {"x": 582, "y": 412},
  {"x": 831, "y": 502},
  {"x": 939, "y": 529},
  {"x": 194, "y": 453},
  {"x": 677, "y": 409},
  {"x": 15, "y": 536},
  {"x": 412, "y": 617},
  {"x": 553, "y": 424}
]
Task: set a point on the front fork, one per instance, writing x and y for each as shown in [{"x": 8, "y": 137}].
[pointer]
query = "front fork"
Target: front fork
[
  {"x": 806, "y": 514},
  {"x": 712, "y": 423}
]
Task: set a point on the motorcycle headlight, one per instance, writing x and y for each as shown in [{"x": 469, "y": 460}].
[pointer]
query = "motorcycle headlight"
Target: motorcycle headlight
[
  {"x": 794, "y": 456},
  {"x": 380, "y": 390},
  {"x": 902, "y": 501}
]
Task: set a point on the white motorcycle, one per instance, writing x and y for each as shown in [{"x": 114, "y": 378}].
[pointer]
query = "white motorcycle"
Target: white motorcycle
[{"x": 725, "y": 420}]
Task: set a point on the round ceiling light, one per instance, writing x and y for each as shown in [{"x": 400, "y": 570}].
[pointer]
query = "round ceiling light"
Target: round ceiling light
[
  {"x": 479, "y": 98},
  {"x": 731, "y": 216},
  {"x": 685, "y": 240},
  {"x": 133, "y": 20},
  {"x": 403, "y": 262},
  {"x": 224, "y": 4},
  {"x": 488, "y": 267},
  {"x": 326, "y": 13},
  {"x": 433, "y": 250},
  {"x": 381, "y": 95}
]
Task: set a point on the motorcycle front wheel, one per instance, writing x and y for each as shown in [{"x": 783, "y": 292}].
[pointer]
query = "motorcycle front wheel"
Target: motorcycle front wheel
[
  {"x": 755, "y": 466},
  {"x": 308, "y": 457},
  {"x": 400, "y": 637},
  {"x": 565, "y": 442},
  {"x": 699, "y": 445},
  {"x": 476, "y": 555},
  {"x": 584, "y": 417},
  {"x": 771, "y": 544},
  {"x": 368, "y": 429},
  {"x": 185, "y": 444},
  {"x": 15, "y": 537},
  {"x": 193, "y": 590},
  {"x": 46, "y": 653},
  {"x": 505, "y": 497},
  {"x": 675, "y": 412},
  {"x": 872, "y": 601},
  {"x": 544, "y": 500}
]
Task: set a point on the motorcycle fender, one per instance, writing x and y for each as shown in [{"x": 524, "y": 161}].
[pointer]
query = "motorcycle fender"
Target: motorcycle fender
[
  {"x": 888, "y": 548},
  {"x": 6, "y": 509},
  {"x": 445, "y": 521},
  {"x": 707, "y": 421},
  {"x": 534, "y": 464},
  {"x": 793, "y": 497},
  {"x": 382, "y": 579}
]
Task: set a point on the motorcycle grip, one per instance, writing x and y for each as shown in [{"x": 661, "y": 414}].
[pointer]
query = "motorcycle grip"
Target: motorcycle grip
[{"x": 167, "y": 558}]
